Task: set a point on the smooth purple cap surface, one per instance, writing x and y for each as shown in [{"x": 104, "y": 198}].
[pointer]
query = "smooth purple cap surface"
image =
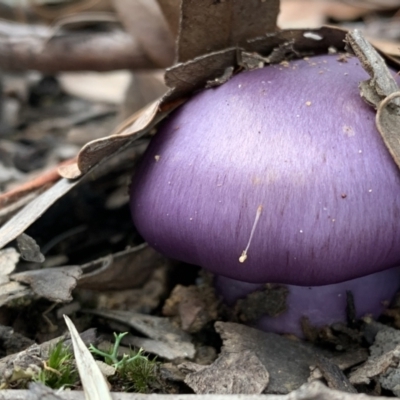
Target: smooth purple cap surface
[{"x": 298, "y": 141}]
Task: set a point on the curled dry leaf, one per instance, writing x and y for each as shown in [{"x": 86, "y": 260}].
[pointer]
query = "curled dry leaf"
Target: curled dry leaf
[
  {"x": 98, "y": 150},
  {"x": 185, "y": 78}
]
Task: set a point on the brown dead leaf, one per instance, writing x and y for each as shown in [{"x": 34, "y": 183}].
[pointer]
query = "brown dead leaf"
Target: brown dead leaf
[
  {"x": 127, "y": 269},
  {"x": 208, "y": 26},
  {"x": 54, "y": 284},
  {"x": 99, "y": 150}
]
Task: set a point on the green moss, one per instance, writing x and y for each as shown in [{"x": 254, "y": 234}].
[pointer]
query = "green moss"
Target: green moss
[
  {"x": 135, "y": 372},
  {"x": 59, "y": 370}
]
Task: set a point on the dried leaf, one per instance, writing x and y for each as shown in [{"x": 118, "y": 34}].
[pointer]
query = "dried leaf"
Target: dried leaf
[
  {"x": 286, "y": 361},
  {"x": 99, "y": 150},
  {"x": 93, "y": 382},
  {"x": 231, "y": 373},
  {"x": 30, "y": 251},
  {"x": 127, "y": 269},
  {"x": 156, "y": 328},
  {"x": 208, "y": 26},
  {"x": 54, "y": 284},
  {"x": 192, "y": 75},
  {"x": 382, "y": 83}
]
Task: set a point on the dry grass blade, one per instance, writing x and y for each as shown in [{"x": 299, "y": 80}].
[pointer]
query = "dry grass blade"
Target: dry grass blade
[{"x": 93, "y": 381}]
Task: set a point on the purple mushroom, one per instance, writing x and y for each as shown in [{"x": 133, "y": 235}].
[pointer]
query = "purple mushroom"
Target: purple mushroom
[{"x": 278, "y": 176}]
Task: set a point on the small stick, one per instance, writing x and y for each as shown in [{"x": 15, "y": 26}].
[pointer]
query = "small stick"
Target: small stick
[{"x": 243, "y": 257}]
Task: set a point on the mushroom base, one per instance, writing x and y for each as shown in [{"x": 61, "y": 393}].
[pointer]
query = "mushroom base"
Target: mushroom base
[{"x": 322, "y": 305}]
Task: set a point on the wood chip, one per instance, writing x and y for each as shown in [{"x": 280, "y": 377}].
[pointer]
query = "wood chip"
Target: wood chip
[
  {"x": 30, "y": 251},
  {"x": 54, "y": 284},
  {"x": 335, "y": 378}
]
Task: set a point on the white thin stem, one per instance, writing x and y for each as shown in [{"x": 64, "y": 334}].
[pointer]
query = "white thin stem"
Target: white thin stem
[{"x": 243, "y": 257}]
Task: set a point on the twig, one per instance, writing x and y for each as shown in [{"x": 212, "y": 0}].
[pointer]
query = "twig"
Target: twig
[{"x": 27, "y": 47}]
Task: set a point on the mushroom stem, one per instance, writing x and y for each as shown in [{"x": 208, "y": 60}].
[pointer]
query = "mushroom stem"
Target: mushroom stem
[{"x": 322, "y": 305}]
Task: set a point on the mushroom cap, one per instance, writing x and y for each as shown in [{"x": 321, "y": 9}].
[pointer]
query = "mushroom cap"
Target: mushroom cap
[{"x": 298, "y": 141}]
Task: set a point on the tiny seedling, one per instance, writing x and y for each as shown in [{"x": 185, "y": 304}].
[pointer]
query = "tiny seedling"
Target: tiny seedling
[
  {"x": 59, "y": 369},
  {"x": 134, "y": 371}
]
